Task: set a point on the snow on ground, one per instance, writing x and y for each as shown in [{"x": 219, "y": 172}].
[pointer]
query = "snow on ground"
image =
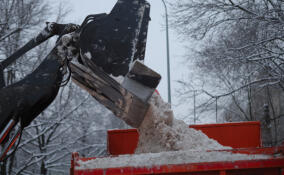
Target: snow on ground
[
  {"x": 164, "y": 158},
  {"x": 166, "y": 141}
]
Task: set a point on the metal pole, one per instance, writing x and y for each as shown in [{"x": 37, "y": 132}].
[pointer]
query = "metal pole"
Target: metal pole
[
  {"x": 216, "y": 109},
  {"x": 168, "y": 54},
  {"x": 194, "y": 111}
]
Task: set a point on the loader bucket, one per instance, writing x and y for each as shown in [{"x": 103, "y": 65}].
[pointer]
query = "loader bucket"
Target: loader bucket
[
  {"x": 109, "y": 45},
  {"x": 116, "y": 40}
]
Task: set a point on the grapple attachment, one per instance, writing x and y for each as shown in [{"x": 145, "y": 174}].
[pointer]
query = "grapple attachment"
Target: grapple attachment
[{"x": 110, "y": 45}]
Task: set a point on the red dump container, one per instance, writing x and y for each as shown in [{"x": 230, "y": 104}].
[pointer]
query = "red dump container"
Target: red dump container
[
  {"x": 235, "y": 135},
  {"x": 273, "y": 166},
  {"x": 122, "y": 141}
]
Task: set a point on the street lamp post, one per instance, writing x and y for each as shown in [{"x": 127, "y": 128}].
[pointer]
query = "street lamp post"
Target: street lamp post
[
  {"x": 168, "y": 54},
  {"x": 216, "y": 109},
  {"x": 194, "y": 106}
]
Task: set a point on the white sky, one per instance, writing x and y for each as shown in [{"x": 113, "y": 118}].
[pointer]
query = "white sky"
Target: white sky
[{"x": 156, "y": 44}]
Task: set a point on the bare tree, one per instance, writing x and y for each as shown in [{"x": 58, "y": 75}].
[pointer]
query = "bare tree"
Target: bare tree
[
  {"x": 242, "y": 53},
  {"x": 18, "y": 17}
]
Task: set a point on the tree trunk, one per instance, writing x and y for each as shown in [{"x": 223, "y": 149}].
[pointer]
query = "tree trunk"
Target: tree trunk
[
  {"x": 2, "y": 82},
  {"x": 3, "y": 168},
  {"x": 43, "y": 169}
]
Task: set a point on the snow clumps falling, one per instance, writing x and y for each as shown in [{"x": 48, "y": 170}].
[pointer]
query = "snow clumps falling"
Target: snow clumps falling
[{"x": 161, "y": 132}]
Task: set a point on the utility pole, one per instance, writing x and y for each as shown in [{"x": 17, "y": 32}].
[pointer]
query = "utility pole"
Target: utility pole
[
  {"x": 194, "y": 106},
  {"x": 168, "y": 54},
  {"x": 216, "y": 109}
]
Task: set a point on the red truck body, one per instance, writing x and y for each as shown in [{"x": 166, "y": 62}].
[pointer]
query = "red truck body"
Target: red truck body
[
  {"x": 235, "y": 135},
  {"x": 244, "y": 137}
]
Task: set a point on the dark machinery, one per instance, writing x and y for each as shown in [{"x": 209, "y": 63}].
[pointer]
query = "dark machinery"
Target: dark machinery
[{"x": 102, "y": 47}]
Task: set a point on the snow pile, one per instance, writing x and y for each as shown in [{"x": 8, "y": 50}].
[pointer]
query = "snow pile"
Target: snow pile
[
  {"x": 166, "y": 141},
  {"x": 161, "y": 132},
  {"x": 164, "y": 158}
]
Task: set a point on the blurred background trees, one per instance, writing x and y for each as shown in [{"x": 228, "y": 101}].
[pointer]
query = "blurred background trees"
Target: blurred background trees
[{"x": 239, "y": 59}]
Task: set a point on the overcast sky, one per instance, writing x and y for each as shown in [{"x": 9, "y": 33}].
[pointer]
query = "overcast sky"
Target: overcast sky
[{"x": 156, "y": 44}]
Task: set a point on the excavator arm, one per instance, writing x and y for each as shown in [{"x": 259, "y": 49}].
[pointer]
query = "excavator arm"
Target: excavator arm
[{"x": 102, "y": 48}]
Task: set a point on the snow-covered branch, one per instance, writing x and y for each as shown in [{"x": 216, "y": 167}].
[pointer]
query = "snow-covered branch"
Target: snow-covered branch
[{"x": 10, "y": 33}]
